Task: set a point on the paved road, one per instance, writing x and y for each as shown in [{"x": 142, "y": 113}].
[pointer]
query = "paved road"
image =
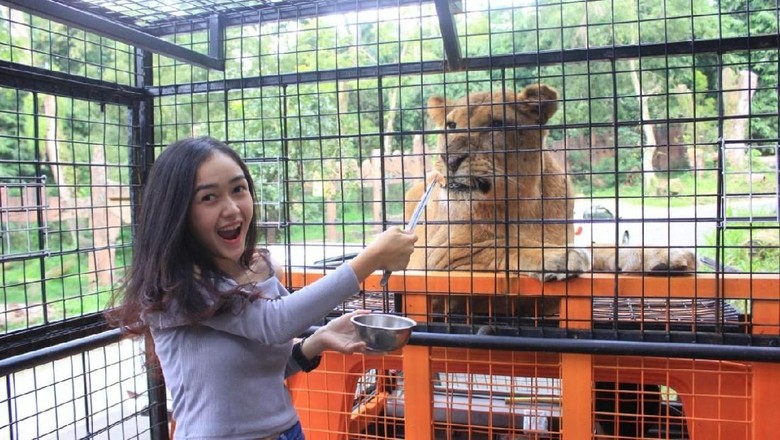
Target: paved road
[{"x": 679, "y": 226}]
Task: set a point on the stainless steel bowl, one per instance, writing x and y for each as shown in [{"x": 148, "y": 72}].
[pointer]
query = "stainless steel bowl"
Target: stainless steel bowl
[{"x": 383, "y": 332}]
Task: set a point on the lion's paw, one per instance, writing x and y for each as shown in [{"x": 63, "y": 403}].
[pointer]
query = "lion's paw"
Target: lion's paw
[
  {"x": 658, "y": 261},
  {"x": 563, "y": 264},
  {"x": 674, "y": 260}
]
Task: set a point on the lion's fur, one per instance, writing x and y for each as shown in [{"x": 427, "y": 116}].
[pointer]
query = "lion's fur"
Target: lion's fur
[{"x": 498, "y": 182}]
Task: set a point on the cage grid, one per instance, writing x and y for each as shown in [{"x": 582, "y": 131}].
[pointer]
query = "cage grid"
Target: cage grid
[
  {"x": 22, "y": 221},
  {"x": 631, "y": 397},
  {"x": 100, "y": 393},
  {"x": 666, "y": 131},
  {"x": 483, "y": 394}
]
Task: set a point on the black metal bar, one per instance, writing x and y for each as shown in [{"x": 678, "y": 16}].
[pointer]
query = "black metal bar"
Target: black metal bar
[
  {"x": 143, "y": 135},
  {"x": 624, "y": 52},
  {"x": 449, "y": 35},
  {"x": 155, "y": 383},
  {"x": 114, "y": 30},
  {"x": 479, "y": 63},
  {"x": 600, "y": 347},
  {"x": 678, "y": 350},
  {"x": 20, "y": 76},
  {"x": 551, "y": 345},
  {"x": 36, "y": 338},
  {"x": 12, "y": 427},
  {"x": 217, "y": 39},
  {"x": 142, "y": 140},
  {"x": 40, "y": 194},
  {"x": 720, "y": 201},
  {"x": 286, "y": 189},
  {"x": 13, "y": 364},
  {"x": 300, "y": 78},
  {"x": 86, "y": 401}
]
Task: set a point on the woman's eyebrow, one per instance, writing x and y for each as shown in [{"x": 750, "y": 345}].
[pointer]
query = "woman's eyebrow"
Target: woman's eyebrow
[{"x": 214, "y": 185}]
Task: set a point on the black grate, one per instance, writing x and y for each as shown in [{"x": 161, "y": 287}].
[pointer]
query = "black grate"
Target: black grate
[{"x": 143, "y": 13}]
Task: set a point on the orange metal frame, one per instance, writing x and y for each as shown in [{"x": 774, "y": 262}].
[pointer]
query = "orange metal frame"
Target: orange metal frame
[{"x": 721, "y": 400}]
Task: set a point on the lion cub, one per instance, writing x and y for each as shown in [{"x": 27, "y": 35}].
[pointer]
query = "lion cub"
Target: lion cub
[{"x": 504, "y": 203}]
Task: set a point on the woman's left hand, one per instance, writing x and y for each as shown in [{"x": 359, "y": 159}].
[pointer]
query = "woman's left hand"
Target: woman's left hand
[{"x": 338, "y": 335}]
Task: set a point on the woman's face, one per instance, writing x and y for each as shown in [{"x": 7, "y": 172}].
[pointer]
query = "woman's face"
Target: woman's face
[{"x": 221, "y": 210}]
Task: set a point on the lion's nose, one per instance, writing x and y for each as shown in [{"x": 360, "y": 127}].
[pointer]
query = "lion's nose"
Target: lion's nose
[{"x": 453, "y": 162}]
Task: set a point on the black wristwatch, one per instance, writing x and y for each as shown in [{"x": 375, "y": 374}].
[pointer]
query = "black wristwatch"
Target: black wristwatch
[{"x": 302, "y": 361}]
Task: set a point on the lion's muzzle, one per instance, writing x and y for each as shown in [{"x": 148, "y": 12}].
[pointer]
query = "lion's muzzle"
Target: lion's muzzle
[
  {"x": 457, "y": 150},
  {"x": 453, "y": 161}
]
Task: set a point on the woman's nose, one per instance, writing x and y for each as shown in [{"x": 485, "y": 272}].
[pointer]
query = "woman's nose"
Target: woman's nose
[{"x": 230, "y": 207}]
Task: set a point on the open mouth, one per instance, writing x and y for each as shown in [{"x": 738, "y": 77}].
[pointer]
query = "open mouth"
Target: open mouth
[
  {"x": 474, "y": 183},
  {"x": 230, "y": 234}
]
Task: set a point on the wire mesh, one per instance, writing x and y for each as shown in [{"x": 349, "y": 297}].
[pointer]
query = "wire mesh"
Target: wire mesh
[
  {"x": 22, "y": 223},
  {"x": 100, "y": 393},
  {"x": 663, "y": 184},
  {"x": 66, "y": 233},
  {"x": 53, "y": 47},
  {"x": 658, "y": 122},
  {"x": 143, "y": 13}
]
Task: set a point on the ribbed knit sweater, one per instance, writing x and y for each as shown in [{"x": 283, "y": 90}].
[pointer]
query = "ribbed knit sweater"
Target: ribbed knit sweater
[{"x": 226, "y": 374}]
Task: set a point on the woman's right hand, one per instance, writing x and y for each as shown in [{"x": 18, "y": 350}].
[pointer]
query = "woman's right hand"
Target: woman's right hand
[{"x": 389, "y": 251}]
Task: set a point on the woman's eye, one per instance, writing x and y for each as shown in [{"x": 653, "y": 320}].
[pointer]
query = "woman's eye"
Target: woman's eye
[
  {"x": 497, "y": 123},
  {"x": 240, "y": 188},
  {"x": 451, "y": 125},
  {"x": 207, "y": 198}
]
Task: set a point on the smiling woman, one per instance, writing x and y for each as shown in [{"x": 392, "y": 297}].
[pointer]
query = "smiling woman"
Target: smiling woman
[
  {"x": 221, "y": 211},
  {"x": 223, "y": 325}
]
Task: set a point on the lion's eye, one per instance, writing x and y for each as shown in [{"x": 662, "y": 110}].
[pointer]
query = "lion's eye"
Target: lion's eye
[
  {"x": 451, "y": 125},
  {"x": 496, "y": 123}
]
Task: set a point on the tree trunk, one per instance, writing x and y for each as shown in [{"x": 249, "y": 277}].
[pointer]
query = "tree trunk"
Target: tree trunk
[
  {"x": 101, "y": 261},
  {"x": 649, "y": 143},
  {"x": 331, "y": 214},
  {"x": 738, "y": 92},
  {"x": 392, "y": 112},
  {"x": 67, "y": 204}
]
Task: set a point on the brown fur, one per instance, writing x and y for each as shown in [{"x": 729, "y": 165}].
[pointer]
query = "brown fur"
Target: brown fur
[{"x": 497, "y": 183}]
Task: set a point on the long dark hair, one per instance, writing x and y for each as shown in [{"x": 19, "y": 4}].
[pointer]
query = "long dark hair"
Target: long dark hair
[{"x": 165, "y": 253}]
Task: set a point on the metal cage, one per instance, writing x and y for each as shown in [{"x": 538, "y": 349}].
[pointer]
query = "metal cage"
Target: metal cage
[{"x": 631, "y": 147}]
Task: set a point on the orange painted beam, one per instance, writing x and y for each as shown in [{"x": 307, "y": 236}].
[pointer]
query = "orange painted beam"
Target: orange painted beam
[
  {"x": 766, "y": 389},
  {"x": 577, "y": 402},
  {"x": 727, "y": 286},
  {"x": 418, "y": 393}
]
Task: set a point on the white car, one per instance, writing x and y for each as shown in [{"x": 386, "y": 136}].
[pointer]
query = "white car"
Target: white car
[{"x": 595, "y": 223}]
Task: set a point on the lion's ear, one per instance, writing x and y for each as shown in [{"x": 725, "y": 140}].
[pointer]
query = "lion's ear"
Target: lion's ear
[
  {"x": 436, "y": 110},
  {"x": 539, "y": 100}
]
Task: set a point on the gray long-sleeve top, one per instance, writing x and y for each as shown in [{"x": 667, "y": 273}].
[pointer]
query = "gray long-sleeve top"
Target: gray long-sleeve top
[{"x": 226, "y": 374}]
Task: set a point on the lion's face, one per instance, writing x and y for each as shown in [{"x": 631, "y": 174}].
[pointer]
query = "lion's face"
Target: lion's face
[{"x": 486, "y": 134}]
